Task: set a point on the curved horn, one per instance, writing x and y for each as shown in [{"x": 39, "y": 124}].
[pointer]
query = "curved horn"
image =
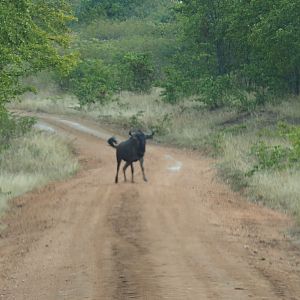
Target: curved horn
[
  {"x": 150, "y": 136},
  {"x": 132, "y": 132}
]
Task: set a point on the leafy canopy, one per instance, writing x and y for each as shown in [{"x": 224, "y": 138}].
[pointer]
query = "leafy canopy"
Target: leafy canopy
[
  {"x": 253, "y": 44},
  {"x": 34, "y": 35}
]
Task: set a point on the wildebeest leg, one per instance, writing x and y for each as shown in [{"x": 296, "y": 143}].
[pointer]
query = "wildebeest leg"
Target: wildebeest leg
[
  {"x": 124, "y": 170},
  {"x": 118, "y": 167},
  {"x": 132, "y": 171},
  {"x": 142, "y": 167}
]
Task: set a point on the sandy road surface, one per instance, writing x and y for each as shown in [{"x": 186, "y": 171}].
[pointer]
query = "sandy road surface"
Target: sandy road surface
[{"x": 182, "y": 235}]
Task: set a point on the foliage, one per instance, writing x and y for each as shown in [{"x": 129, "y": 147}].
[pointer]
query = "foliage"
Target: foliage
[
  {"x": 95, "y": 81},
  {"x": 174, "y": 85},
  {"x": 278, "y": 157},
  {"x": 121, "y": 9},
  {"x": 91, "y": 9},
  {"x": 12, "y": 127},
  {"x": 220, "y": 91},
  {"x": 33, "y": 36},
  {"x": 269, "y": 157},
  {"x": 92, "y": 81},
  {"x": 136, "y": 72},
  {"x": 255, "y": 44},
  {"x": 236, "y": 178},
  {"x": 292, "y": 134},
  {"x": 133, "y": 39}
]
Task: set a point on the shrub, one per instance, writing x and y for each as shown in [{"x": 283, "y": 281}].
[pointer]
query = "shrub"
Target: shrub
[
  {"x": 12, "y": 127},
  {"x": 92, "y": 81},
  {"x": 173, "y": 85},
  {"x": 278, "y": 157},
  {"x": 137, "y": 72},
  {"x": 292, "y": 134},
  {"x": 269, "y": 157}
]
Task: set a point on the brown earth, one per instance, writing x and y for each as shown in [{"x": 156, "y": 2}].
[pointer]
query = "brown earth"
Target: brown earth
[{"x": 183, "y": 235}]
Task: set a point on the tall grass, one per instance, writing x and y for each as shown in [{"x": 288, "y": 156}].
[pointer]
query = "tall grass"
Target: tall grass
[
  {"x": 32, "y": 161},
  {"x": 278, "y": 190},
  {"x": 48, "y": 97}
]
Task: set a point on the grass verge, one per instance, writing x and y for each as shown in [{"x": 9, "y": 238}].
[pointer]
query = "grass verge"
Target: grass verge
[{"x": 32, "y": 161}]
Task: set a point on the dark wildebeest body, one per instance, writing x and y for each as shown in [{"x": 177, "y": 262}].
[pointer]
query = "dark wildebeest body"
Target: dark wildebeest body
[{"x": 130, "y": 151}]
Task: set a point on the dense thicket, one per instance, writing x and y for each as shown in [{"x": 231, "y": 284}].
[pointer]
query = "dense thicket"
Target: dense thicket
[
  {"x": 33, "y": 36},
  {"x": 229, "y": 47},
  {"x": 90, "y": 10},
  {"x": 123, "y": 45}
]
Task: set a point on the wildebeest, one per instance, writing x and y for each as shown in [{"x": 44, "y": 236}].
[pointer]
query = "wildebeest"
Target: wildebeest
[{"x": 130, "y": 151}]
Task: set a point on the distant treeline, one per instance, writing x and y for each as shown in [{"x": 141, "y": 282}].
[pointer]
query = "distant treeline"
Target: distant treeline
[
  {"x": 236, "y": 53},
  {"x": 122, "y": 45}
]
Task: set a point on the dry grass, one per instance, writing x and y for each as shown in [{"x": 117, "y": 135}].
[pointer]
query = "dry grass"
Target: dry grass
[
  {"x": 48, "y": 98},
  {"x": 225, "y": 134},
  {"x": 289, "y": 109},
  {"x": 46, "y": 102},
  {"x": 280, "y": 190},
  {"x": 32, "y": 161}
]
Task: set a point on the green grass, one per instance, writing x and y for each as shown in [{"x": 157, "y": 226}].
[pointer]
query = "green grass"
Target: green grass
[{"x": 32, "y": 161}]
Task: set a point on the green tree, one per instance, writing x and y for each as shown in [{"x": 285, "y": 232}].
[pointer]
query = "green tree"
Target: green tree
[
  {"x": 92, "y": 81},
  {"x": 253, "y": 44},
  {"x": 276, "y": 44},
  {"x": 33, "y": 36},
  {"x": 137, "y": 72},
  {"x": 92, "y": 9},
  {"x": 121, "y": 9}
]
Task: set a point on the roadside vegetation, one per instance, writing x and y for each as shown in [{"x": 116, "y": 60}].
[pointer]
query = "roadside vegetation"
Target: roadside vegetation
[
  {"x": 34, "y": 36},
  {"x": 31, "y": 161},
  {"x": 30, "y": 158}
]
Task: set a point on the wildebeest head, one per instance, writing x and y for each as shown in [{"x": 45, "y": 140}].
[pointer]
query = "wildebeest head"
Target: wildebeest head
[{"x": 141, "y": 139}]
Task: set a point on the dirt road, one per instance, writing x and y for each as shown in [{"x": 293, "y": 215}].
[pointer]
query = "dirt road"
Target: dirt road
[{"x": 183, "y": 235}]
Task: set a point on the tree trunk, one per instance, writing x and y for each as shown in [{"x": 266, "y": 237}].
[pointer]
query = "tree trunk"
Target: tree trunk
[
  {"x": 297, "y": 81},
  {"x": 220, "y": 57}
]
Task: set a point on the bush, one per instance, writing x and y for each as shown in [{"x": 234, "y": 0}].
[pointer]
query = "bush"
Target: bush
[
  {"x": 92, "y": 81},
  {"x": 173, "y": 85},
  {"x": 269, "y": 157},
  {"x": 278, "y": 157},
  {"x": 137, "y": 72},
  {"x": 12, "y": 127},
  {"x": 292, "y": 134}
]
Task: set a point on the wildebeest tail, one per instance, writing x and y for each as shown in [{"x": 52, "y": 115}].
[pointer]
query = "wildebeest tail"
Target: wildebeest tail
[{"x": 112, "y": 142}]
